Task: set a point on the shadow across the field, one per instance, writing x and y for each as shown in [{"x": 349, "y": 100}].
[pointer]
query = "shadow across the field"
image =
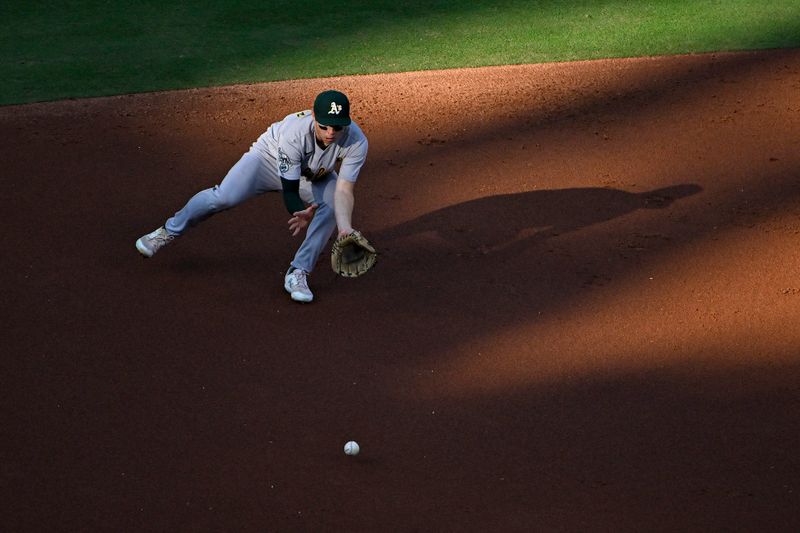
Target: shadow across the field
[
  {"x": 471, "y": 270},
  {"x": 514, "y": 221}
]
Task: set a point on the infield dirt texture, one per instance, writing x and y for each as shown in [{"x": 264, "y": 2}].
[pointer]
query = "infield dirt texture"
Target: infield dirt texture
[{"x": 584, "y": 316}]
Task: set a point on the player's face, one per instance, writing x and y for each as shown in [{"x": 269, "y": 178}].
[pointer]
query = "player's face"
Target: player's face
[{"x": 327, "y": 134}]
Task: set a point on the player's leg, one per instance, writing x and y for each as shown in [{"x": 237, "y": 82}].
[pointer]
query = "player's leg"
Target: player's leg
[
  {"x": 240, "y": 184},
  {"x": 243, "y": 181},
  {"x": 319, "y": 232},
  {"x": 321, "y": 227}
]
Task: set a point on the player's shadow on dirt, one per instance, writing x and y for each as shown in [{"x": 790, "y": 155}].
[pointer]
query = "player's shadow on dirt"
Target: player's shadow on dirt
[{"x": 512, "y": 222}]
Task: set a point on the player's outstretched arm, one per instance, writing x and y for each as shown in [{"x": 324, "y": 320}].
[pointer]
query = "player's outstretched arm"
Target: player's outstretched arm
[{"x": 343, "y": 202}]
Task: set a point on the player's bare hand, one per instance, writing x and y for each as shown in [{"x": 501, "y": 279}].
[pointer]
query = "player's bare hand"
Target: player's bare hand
[
  {"x": 345, "y": 232},
  {"x": 301, "y": 219}
]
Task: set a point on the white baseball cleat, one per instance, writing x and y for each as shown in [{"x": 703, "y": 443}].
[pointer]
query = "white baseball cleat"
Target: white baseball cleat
[
  {"x": 153, "y": 242},
  {"x": 296, "y": 284}
]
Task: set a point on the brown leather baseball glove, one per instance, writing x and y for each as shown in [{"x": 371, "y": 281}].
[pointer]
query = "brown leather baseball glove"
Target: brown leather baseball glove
[{"x": 352, "y": 255}]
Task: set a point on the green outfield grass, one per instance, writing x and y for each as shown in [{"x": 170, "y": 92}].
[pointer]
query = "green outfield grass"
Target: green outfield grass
[{"x": 53, "y": 50}]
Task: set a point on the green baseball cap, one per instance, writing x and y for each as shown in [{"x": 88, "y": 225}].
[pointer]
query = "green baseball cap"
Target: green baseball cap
[{"x": 332, "y": 108}]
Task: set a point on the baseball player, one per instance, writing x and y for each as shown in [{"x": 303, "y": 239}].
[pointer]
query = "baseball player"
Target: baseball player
[{"x": 309, "y": 145}]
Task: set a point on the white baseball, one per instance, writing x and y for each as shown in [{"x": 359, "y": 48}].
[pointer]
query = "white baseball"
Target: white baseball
[{"x": 352, "y": 448}]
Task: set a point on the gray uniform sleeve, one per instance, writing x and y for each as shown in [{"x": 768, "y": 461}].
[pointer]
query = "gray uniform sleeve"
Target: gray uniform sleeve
[{"x": 354, "y": 160}]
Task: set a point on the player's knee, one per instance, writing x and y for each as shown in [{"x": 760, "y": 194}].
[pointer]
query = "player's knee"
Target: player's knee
[
  {"x": 325, "y": 213},
  {"x": 306, "y": 194},
  {"x": 222, "y": 200}
]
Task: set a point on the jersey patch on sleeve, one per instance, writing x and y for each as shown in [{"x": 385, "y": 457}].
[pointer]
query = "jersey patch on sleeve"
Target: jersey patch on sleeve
[{"x": 283, "y": 161}]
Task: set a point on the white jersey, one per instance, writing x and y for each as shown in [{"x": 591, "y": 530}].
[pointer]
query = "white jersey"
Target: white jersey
[{"x": 291, "y": 145}]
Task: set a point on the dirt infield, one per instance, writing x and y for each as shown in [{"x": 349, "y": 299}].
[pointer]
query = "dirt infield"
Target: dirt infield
[{"x": 584, "y": 317}]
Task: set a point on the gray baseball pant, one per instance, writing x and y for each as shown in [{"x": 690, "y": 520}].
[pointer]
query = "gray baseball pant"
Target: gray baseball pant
[{"x": 251, "y": 176}]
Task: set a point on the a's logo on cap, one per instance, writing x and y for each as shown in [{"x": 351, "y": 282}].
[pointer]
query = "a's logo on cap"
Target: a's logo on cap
[{"x": 332, "y": 108}]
